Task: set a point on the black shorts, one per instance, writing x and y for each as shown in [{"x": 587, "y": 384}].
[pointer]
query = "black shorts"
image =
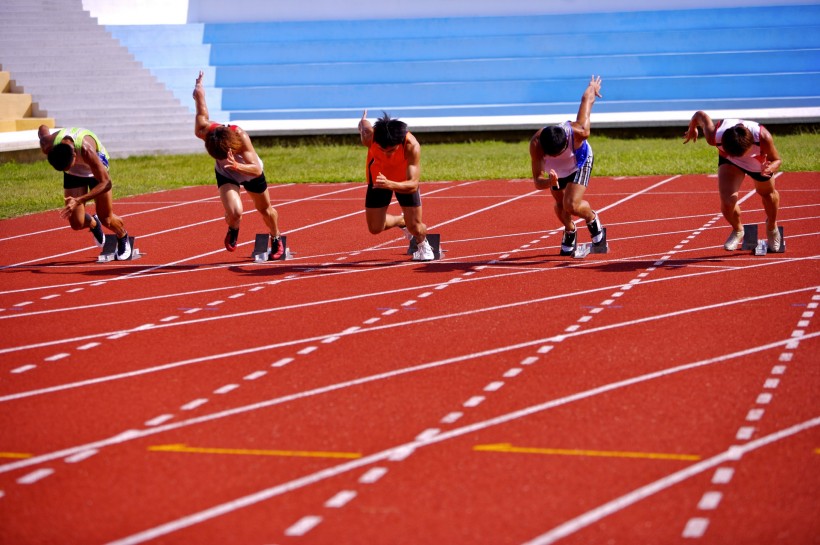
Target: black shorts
[
  {"x": 257, "y": 185},
  {"x": 756, "y": 176},
  {"x": 378, "y": 197},
  {"x": 74, "y": 182}
]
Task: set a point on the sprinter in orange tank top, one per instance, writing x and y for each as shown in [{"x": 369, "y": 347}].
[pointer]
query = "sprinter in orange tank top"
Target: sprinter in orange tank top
[{"x": 394, "y": 165}]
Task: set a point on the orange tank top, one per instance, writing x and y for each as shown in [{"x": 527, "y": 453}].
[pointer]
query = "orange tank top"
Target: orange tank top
[{"x": 394, "y": 167}]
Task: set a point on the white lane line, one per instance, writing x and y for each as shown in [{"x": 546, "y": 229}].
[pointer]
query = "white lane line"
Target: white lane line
[
  {"x": 696, "y": 526},
  {"x": 57, "y": 357},
  {"x": 474, "y": 401},
  {"x": 494, "y": 386},
  {"x": 307, "y": 350},
  {"x": 88, "y": 346},
  {"x": 557, "y": 533},
  {"x": 281, "y": 363},
  {"x": 255, "y": 375},
  {"x": 23, "y": 368},
  {"x": 137, "y": 434},
  {"x": 452, "y": 417},
  {"x": 80, "y": 456},
  {"x": 161, "y": 419},
  {"x": 252, "y": 350}
]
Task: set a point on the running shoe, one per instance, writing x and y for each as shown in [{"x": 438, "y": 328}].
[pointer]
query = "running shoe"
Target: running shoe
[
  {"x": 230, "y": 239},
  {"x": 596, "y": 230},
  {"x": 123, "y": 248},
  {"x": 774, "y": 240},
  {"x": 569, "y": 242},
  {"x": 424, "y": 252},
  {"x": 734, "y": 241},
  {"x": 99, "y": 237},
  {"x": 276, "y": 248}
]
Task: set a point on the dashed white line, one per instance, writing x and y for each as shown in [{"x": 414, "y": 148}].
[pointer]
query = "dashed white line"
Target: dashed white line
[
  {"x": 514, "y": 372},
  {"x": 307, "y": 350},
  {"x": 771, "y": 383},
  {"x": 255, "y": 375},
  {"x": 281, "y": 363},
  {"x": 23, "y": 369},
  {"x": 778, "y": 369},
  {"x": 452, "y": 417},
  {"x": 303, "y": 526},
  {"x": 227, "y": 388},
  {"x": 88, "y": 346},
  {"x": 494, "y": 386},
  {"x": 745, "y": 433},
  {"x": 764, "y": 398},
  {"x": 373, "y": 475},
  {"x": 695, "y": 527},
  {"x": 754, "y": 415},
  {"x": 474, "y": 401},
  {"x": 723, "y": 475},
  {"x": 159, "y": 420},
  {"x": 194, "y": 404},
  {"x": 35, "y": 476},
  {"x": 710, "y": 501},
  {"x": 341, "y": 499},
  {"x": 56, "y": 357}
]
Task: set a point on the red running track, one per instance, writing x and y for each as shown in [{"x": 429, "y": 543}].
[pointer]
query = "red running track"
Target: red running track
[{"x": 665, "y": 392}]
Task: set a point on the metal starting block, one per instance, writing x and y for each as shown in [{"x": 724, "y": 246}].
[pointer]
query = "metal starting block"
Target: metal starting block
[
  {"x": 583, "y": 250},
  {"x": 435, "y": 243},
  {"x": 109, "y": 250},
  {"x": 760, "y": 246},
  {"x": 261, "y": 248}
]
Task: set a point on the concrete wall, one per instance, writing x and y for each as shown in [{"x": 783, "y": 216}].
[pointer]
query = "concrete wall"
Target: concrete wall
[{"x": 129, "y": 12}]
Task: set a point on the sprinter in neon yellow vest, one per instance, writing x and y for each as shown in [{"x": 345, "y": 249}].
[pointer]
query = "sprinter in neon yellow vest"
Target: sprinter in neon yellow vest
[{"x": 82, "y": 158}]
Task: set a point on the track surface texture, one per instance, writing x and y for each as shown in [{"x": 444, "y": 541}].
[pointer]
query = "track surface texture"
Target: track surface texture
[{"x": 664, "y": 392}]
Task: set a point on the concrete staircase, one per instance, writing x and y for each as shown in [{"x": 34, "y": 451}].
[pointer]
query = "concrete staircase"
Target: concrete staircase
[{"x": 78, "y": 74}]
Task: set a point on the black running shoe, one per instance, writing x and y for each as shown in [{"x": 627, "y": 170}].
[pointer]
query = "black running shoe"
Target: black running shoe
[
  {"x": 595, "y": 230},
  {"x": 123, "y": 248},
  {"x": 569, "y": 242},
  {"x": 99, "y": 237},
  {"x": 230, "y": 239},
  {"x": 276, "y": 248}
]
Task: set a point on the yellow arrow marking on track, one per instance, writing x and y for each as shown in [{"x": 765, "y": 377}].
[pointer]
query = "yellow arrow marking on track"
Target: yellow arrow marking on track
[
  {"x": 507, "y": 447},
  {"x": 254, "y": 452},
  {"x": 20, "y": 455}
]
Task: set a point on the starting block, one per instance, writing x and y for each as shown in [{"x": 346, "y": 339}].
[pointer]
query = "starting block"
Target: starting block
[
  {"x": 109, "y": 250},
  {"x": 600, "y": 247},
  {"x": 760, "y": 246},
  {"x": 435, "y": 242},
  {"x": 261, "y": 248}
]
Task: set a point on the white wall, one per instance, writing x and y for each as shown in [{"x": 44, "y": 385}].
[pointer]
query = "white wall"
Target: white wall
[
  {"x": 138, "y": 12},
  {"x": 130, "y": 12},
  {"x": 212, "y": 11}
]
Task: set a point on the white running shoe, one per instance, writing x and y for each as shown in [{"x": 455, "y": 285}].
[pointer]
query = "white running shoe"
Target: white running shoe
[
  {"x": 424, "y": 252},
  {"x": 734, "y": 241},
  {"x": 123, "y": 248},
  {"x": 774, "y": 241}
]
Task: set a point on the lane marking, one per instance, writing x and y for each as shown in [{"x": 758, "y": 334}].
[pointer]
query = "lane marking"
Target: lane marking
[
  {"x": 373, "y": 475},
  {"x": 15, "y": 455},
  {"x": 303, "y": 526},
  {"x": 182, "y": 448},
  {"x": 341, "y": 499},
  {"x": 138, "y": 434},
  {"x": 508, "y": 448},
  {"x": 693, "y": 529}
]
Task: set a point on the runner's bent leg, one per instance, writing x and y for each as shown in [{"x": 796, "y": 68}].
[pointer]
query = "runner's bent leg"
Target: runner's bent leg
[
  {"x": 269, "y": 214},
  {"x": 729, "y": 179},
  {"x": 232, "y": 202},
  {"x": 771, "y": 202},
  {"x": 412, "y": 220}
]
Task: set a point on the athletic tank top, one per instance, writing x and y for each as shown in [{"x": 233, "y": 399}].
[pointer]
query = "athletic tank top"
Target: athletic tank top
[
  {"x": 751, "y": 160},
  {"x": 393, "y": 167},
  {"x": 80, "y": 168},
  {"x": 569, "y": 160},
  {"x": 221, "y": 164}
]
